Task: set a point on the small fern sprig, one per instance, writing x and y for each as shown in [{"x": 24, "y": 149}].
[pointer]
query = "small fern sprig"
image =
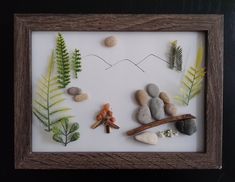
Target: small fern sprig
[
  {"x": 175, "y": 57},
  {"x": 76, "y": 62},
  {"x": 48, "y": 97},
  {"x": 192, "y": 81},
  {"x": 62, "y": 58},
  {"x": 64, "y": 132}
]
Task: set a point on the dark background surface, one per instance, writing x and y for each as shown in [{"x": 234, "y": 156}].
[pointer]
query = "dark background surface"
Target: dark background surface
[{"x": 8, "y": 8}]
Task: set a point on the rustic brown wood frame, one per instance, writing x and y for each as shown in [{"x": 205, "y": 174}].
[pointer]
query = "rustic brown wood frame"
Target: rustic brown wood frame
[{"x": 211, "y": 158}]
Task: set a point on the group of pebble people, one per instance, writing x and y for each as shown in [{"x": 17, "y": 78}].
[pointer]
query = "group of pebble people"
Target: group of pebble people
[{"x": 154, "y": 105}]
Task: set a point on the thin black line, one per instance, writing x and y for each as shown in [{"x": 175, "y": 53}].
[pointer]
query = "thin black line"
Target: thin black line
[
  {"x": 135, "y": 64},
  {"x": 153, "y": 56},
  {"x": 99, "y": 58},
  {"x": 125, "y": 60}
]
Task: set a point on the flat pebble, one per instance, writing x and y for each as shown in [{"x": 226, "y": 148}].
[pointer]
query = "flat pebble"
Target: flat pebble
[
  {"x": 147, "y": 137},
  {"x": 143, "y": 115},
  {"x": 164, "y": 97},
  {"x": 157, "y": 108},
  {"x": 142, "y": 97},
  {"x": 152, "y": 90},
  {"x": 187, "y": 127},
  {"x": 80, "y": 97},
  {"x": 74, "y": 91},
  {"x": 170, "y": 109},
  {"x": 110, "y": 41}
]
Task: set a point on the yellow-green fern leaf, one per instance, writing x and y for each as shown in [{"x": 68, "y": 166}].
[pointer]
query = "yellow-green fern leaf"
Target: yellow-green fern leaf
[
  {"x": 48, "y": 98},
  {"x": 192, "y": 81}
]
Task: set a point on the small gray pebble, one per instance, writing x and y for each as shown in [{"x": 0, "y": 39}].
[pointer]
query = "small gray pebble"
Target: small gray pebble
[
  {"x": 74, "y": 91},
  {"x": 187, "y": 127},
  {"x": 152, "y": 90},
  {"x": 143, "y": 115},
  {"x": 157, "y": 108}
]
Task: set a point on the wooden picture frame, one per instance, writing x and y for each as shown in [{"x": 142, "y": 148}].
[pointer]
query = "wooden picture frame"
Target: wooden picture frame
[{"x": 211, "y": 158}]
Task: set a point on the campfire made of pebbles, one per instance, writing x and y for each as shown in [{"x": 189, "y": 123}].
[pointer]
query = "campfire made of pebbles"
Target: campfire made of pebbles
[
  {"x": 106, "y": 118},
  {"x": 154, "y": 108}
]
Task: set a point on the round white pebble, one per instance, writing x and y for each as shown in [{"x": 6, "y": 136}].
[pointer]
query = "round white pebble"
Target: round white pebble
[{"x": 110, "y": 41}]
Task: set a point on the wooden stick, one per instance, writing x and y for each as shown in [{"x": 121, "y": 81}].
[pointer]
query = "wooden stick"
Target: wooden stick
[
  {"x": 107, "y": 127},
  {"x": 112, "y": 125},
  {"x": 160, "y": 122},
  {"x": 96, "y": 124}
]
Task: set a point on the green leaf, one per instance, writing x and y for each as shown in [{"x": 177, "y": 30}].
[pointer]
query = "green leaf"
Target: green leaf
[
  {"x": 40, "y": 104},
  {"x": 47, "y": 98},
  {"x": 178, "y": 58},
  {"x": 57, "y": 131},
  {"x": 56, "y": 95},
  {"x": 75, "y": 136},
  {"x": 76, "y": 62},
  {"x": 191, "y": 83},
  {"x": 74, "y": 127},
  {"x": 59, "y": 120},
  {"x": 56, "y": 102},
  {"x": 175, "y": 58},
  {"x": 59, "y": 110},
  {"x": 40, "y": 114},
  {"x": 199, "y": 58},
  {"x": 62, "y": 59},
  {"x": 65, "y": 124},
  {"x": 40, "y": 119},
  {"x": 58, "y": 138}
]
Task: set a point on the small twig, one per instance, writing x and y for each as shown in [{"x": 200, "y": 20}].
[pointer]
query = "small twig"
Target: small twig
[
  {"x": 113, "y": 125},
  {"x": 160, "y": 122},
  {"x": 96, "y": 124},
  {"x": 107, "y": 127}
]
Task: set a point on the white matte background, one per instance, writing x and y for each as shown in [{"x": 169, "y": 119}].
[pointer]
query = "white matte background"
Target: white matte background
[{"x": 117, "y": 86}]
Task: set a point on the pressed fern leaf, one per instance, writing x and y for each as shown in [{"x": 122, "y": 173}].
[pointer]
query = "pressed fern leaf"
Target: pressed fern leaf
[
  {"x": 64, "y": 132},
  {"x": 172, "y": 54},
  {"x": 48, "y": 98},
  {"x": 62, "y": 58},
  {"x": 192, "y": 81},
  {"x": 76, "y": 62},
  {"x": 178, "y": 59},
  {"x": 175, "y": 57}
]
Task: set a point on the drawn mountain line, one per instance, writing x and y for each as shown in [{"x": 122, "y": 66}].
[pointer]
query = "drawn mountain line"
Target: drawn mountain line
[{"x": 137, "y": 65}]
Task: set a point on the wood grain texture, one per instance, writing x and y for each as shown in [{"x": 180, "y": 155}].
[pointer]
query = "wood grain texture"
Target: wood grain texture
[{"x": 212, "y": 25}]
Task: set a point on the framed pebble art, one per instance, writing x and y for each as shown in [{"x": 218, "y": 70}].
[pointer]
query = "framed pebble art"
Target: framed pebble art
[{"x": 118, "y": 91}]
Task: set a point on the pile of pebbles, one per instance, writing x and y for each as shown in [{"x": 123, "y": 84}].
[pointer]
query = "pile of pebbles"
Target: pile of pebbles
[
  {"x": 153, "y": 104},
  {"x": 156, "y": 105},
  {"x": 77, "y": 94}
]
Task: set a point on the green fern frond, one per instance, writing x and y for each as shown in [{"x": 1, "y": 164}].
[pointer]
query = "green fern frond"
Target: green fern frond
[
  {"x": 62, "y": 58},
  {"x": 48, "y": 98},
  {"x": 76, "y": 62},
  {"x": 175, "y": 57},
  {"x": 65, "y": 132},
  {"x": 192, "y": 81}
]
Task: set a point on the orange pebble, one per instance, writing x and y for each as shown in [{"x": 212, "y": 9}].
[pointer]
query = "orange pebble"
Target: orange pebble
[
  {"x": 109, "y": 113},
  {"x": 106, "y": 106},
  {"x": 99, "y": 117},
  {"x": 103, "y": 113}
]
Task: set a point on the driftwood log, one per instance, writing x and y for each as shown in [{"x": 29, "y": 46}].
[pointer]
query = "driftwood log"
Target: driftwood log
[{"x": 160, "y": 122}]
